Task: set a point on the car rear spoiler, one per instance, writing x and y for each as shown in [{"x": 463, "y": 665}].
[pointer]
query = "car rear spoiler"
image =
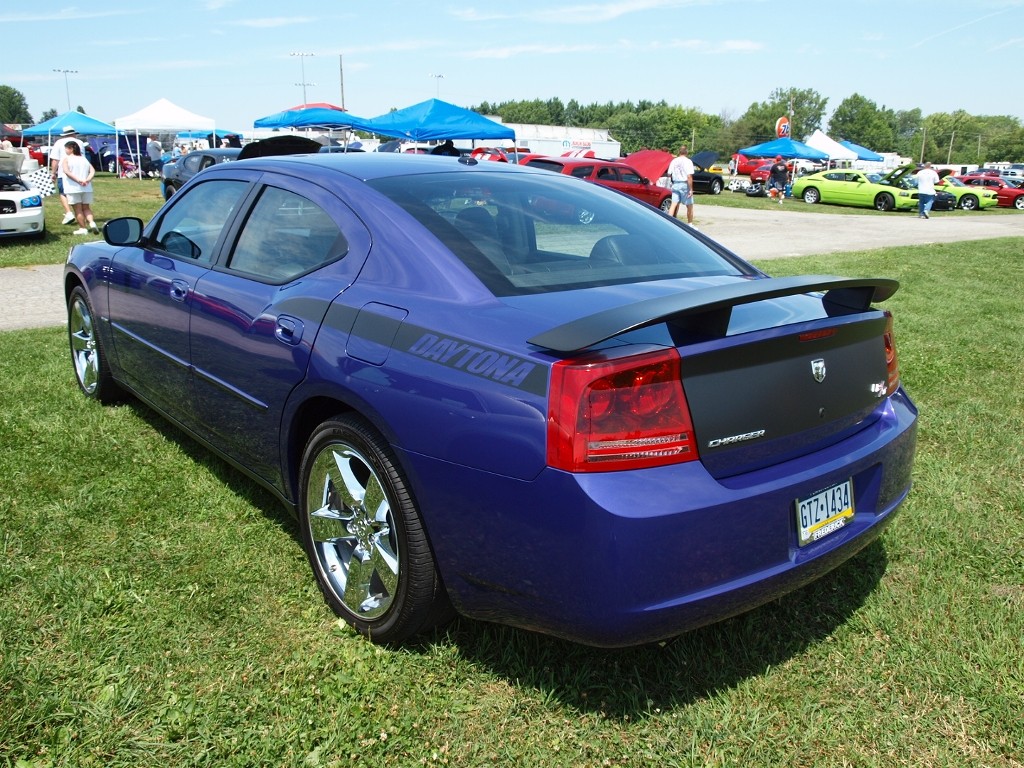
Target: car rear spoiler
[{"x": 708, "y": 310}]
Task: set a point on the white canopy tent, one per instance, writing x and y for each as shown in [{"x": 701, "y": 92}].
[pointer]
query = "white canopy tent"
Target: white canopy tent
[
  {"x": 163, "y": 116},
  {"x": 835, "y": 151}
]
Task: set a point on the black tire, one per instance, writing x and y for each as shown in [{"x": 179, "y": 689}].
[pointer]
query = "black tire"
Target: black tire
[
  {"x": 885, "y": 202},
  {"x": 716, "y": 187},
  {"x": 87, "y": 356},
  {"x": 399, "y": 594},
  {"x": 969, "y": 203},
  {"x": 1018, "y": 202},
  {"x": 812, "y": 195},
  {"x": 169, "y": 190}
]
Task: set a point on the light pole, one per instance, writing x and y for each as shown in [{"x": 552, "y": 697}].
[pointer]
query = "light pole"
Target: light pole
[
  {"x": 67, "y": 89},
  {"x": 302, "y": 61},
  {"x": 437, "y": 81}
]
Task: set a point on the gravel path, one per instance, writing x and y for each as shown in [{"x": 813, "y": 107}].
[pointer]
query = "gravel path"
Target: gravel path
[{"x": 32, "y": 296}]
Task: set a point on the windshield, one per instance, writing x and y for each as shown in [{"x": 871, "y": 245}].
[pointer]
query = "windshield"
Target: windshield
[{"x": 524, "y": 233}]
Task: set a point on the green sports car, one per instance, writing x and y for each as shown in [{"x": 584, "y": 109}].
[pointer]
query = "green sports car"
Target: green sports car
[
  {"x": 896, "y": 190},
  {"x": 968, "y": 197}
]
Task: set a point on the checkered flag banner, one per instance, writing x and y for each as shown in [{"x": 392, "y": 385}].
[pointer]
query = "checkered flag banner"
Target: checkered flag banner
[{"x": 40, "y": 179}]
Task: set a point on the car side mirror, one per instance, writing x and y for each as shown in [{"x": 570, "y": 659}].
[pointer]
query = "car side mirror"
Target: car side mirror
[{"x": 123, "y": 231}]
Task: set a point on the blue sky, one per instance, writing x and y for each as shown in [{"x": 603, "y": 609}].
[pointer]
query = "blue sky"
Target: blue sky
[{"x": 233, "y": 60}]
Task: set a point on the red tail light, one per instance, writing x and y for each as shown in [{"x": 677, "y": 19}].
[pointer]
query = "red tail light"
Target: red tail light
[
  {"x": 618, "y": 414},
  {"x": 892, "y": 362}
]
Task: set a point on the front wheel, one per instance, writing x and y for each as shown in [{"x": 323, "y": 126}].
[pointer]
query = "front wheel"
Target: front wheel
[
  {"x": 169, "y": 190},
  {"x": 885, "y": 202},
  {"x": 812, "y": 195},
  {"x": 87, "y": 356},
  {"x": 969, "y": 203},
  {"x": 666, "y": 204},
  {"x": 111, "y": 166},
  {"x": 363, "y": 534}
]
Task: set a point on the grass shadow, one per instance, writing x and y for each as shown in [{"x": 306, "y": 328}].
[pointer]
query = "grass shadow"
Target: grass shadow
[{"x": 631, "y": 682}]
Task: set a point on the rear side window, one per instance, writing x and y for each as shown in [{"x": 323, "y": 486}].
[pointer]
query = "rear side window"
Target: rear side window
[
  {"x": 523, "y": 233},
  {"x": 286, "y": 235}
]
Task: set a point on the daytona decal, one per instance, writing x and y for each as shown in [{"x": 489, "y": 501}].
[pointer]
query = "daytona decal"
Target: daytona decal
[{"x": 487, "y": 363}]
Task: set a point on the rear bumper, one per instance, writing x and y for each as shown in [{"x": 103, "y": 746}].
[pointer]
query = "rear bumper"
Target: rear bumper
[{"x": 625, "y": 558}]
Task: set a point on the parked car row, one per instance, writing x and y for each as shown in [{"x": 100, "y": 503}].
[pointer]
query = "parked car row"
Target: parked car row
[{"x": 895, "y": 190}]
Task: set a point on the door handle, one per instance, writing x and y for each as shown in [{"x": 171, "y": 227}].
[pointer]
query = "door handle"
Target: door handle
[
  {"x": 179, "y": 290},
  {"x": 288, "y": 330}
]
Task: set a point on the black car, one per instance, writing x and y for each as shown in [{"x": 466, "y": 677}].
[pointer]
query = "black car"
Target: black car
[
  {"x": 177, "y": 172},
  {"x": 705, "y": 180}
]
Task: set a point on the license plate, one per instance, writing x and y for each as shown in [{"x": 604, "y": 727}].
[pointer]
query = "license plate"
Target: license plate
[{"x": 823, "y": 513}]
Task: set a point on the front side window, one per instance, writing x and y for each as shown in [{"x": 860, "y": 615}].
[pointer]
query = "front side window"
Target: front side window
[{"x": 193, "y": 225}]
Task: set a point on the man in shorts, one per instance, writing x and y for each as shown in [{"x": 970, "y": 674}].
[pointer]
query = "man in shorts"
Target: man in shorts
[
  {"x": 778, "y": 178},
  {"x": 680, "y": 171}
]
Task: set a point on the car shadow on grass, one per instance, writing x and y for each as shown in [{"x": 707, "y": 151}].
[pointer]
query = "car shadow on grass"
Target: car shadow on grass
[
  {"x": 621, "y": 683},
  {"x": 631, "y": 683}
]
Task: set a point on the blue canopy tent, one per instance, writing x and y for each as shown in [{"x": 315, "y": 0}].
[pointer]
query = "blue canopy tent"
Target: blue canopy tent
[
  {"x": 863, "y": 153},
  {"x": 85, "y": 125},
  {"x": 790, "y": 149},
  {"x": 312, "y": 117},
  {"x": 434, "y": 120}
]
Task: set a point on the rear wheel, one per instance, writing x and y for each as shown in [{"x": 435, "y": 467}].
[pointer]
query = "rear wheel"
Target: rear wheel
[
  {"x": 364, "y": 536},
  {"x": 716, "y": 186},
  {"x": 1018, "y": 202},
  {"x": 969, "y": 203},
  {"x": 885, "y": 202},
  {"x": 169, "y": 190},
  {"x": 87, "y": 356},
  {"x": 812, "y": 195}
]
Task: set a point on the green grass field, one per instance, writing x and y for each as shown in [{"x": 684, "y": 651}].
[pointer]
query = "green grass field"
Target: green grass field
[{"x": 156, "y": 607}]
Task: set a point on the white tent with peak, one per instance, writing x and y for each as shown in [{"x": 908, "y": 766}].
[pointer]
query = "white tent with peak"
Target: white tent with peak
[
  {"x": 163, "y": 115},
  {"x": 830, "y": 147}
]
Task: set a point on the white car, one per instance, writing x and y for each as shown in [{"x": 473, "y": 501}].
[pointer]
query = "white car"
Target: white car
[{"x": 21, "y": 209}]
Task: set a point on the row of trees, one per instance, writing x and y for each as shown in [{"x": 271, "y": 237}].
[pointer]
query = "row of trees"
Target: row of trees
[{"x": 940, "y": 137}]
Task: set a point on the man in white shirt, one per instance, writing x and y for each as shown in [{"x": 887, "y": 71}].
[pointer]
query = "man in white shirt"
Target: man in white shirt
[
  {"x": 680, "y": 171},
  {"x": 927, "y": 178},
  {"x": 57, "y": 173}
]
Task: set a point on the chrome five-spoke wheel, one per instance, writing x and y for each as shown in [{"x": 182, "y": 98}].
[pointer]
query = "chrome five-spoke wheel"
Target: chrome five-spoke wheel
[{"x": 363, "y": 534}]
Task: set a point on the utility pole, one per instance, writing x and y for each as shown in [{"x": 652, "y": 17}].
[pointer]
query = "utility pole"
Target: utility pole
[{"x": 341, "y": 76}]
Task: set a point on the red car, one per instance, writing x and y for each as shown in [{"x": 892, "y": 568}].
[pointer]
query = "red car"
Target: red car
[
  {"x": 1007, "y": 194},
  {"x": 617, "y": 176},
  {"x": 747, "y": 165}
]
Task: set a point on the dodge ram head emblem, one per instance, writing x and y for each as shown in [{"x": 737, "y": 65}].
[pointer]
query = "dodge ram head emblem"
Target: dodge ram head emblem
[{"x": 818, "y": 370}]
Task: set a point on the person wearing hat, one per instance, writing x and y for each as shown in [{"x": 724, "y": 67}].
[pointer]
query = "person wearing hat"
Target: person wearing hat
[
  {"x": 67, "y": 134},
  {"x": 778, "y": 179}
]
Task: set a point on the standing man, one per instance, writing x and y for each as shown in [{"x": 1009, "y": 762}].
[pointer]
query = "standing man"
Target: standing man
[
  {"x": 56, "y": 170},
  {"x": 927, "y": 178},
  {"x": 778, "y": 177},
  {"x": 680, "y": 171},
  {"x": 155, "y": 152}
]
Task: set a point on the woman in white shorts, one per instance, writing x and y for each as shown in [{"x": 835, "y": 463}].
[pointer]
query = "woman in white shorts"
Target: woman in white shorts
[{"x": 78, "y": 173}]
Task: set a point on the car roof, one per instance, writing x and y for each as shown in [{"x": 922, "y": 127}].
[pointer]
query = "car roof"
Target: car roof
[{"x": 374, "y": 165}]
